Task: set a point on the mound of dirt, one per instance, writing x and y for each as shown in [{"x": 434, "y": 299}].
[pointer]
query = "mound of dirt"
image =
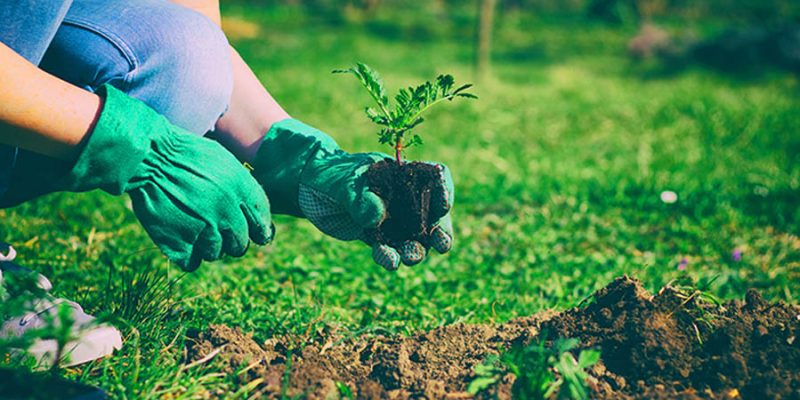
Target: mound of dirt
[
  {"x": 671, "y": 345},
  {"x": 675, "y": 345}
]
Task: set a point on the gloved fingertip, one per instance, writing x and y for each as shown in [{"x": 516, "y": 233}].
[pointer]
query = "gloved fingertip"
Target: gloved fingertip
[
  {"x": 259, "y": 238},
  {"x": 208, "y": 245},
  {"x": 184, "y": 257},
  {"x": 188, "y": 264},
  {"x": 442, "y": 196},
  {"x": 412, "y": 252},
  {"x": 234, "y": 244},
  {"x": 386, "y": 257},
  {"x": 260, "y": 227},
  {"x": 440, "y": 240},
  {"x": 244, "y": 250}
]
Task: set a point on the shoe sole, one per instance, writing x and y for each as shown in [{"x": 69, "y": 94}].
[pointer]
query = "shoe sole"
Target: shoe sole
[{"x": 93, "y": 344}]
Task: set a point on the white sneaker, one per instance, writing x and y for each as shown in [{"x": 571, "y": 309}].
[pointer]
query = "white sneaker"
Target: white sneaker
[{"x": 93, "y": 340}]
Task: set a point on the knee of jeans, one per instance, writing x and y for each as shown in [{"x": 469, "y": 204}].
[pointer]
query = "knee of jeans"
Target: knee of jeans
[{"x": 188, "y": 71}]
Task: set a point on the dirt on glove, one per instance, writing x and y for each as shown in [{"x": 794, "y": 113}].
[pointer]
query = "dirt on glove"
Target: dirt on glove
[{"x": 669, "y": 345}]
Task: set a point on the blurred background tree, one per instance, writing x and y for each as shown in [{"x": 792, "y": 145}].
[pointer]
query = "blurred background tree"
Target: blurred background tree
[{"x": 483, "y": 45}]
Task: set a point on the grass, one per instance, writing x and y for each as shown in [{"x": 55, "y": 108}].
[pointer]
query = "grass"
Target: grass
[{"x": 558, "y": 170}]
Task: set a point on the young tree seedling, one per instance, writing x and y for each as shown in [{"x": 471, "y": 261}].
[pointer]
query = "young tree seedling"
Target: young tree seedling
[{"x": 410, "y": 104}]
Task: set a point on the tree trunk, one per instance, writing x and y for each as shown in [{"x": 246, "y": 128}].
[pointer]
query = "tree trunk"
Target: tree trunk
[
  {"x": 370, "y": 6},
  {"x": 484, "y": 39}
]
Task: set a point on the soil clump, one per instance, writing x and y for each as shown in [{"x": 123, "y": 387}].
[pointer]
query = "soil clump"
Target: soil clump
[
  {"x": 407, "y": 189},
  {"x": 669, "y": 345}
]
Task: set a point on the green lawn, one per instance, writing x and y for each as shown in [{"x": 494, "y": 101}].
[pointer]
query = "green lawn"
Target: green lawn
[{"x": 558, "y": 171}]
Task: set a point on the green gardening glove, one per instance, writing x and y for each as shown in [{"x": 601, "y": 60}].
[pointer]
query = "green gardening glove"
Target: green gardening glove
[
  {"x": 306, "y": 174},
  {"x": 194, "y": 199}
]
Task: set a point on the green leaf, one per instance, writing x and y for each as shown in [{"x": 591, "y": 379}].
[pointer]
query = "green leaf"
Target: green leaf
[
  {"x": 445, "y": 83},
  {"x": 480, "y": 384},
  {"x": 371, "y": 80},
  {"x": 415, "y": 123},
  {"x": 415, "y": 140},
  {"x": 375, "y": 117},
  {"x": 344, "y": 390},
  {"x": 484, "y": 369},
  {"x": 550, "y": 387},
  {"x": 462, "y": 88},
  {"x": 487, "y": 374},
  {"x": 385, "y": 136},
  {"x": 374, "y": 83},
  {"x": 564, "y": 345},
  {"x": 587, "y": 358}
]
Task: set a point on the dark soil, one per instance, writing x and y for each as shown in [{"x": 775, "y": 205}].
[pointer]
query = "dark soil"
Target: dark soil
[
  {"x": 406, "y": 188},
  {"x": 652, "y": 347},
  {"x": 18, "y": 384}
]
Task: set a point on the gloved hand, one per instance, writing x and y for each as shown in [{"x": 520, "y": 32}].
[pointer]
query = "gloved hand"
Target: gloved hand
[
  {"x": 194, "y": 199},
  {"x": 306, "y": 174}
]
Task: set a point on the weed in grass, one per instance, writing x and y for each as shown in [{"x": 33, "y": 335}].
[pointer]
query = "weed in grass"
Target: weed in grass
[
  {"x": 705, "y": 306},
  {"x": 138, "y": 292},
  {"x": 487, "y": 374},
  {"x": 344, "y": 391},
  {"x": 573, "y": 373},
  {"x": 541, "y": 370}
]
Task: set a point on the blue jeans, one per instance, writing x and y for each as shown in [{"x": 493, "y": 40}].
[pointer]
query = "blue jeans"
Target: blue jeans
[{"x": 174, "y": 59}]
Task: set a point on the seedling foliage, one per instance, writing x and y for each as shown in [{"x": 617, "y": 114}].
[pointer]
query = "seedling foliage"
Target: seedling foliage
[{"x": 409, "y": 105}]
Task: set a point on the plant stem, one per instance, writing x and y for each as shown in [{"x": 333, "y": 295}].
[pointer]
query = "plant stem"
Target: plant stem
[
  {"x": 398, "y": 151},
  {"x": 398, "y": 145}
]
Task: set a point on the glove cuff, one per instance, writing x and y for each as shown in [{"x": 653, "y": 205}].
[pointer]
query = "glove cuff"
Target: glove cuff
[
  {"x": 115, "y": 148},
  {"x": 284, "y": 152}
]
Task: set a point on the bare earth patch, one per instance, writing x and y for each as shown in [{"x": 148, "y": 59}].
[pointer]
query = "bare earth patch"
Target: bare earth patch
[{"x": 652, "y": 347}]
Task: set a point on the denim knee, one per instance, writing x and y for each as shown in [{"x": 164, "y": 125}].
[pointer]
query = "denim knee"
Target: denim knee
[
  {"x": 172, "y": 58},
  {"x": 192, "y": 62},
  {"x": 29, "y": 33}
]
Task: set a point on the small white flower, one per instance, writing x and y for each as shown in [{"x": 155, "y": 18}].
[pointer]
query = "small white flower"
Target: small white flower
[{"x": 669, "y": 197}]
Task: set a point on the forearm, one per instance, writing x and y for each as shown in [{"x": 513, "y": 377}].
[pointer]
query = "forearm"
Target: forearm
[
  {"x": 251, "y": 113},
  {"x": 40, "y": 112},
  {"x": 209, "y": 8}
]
